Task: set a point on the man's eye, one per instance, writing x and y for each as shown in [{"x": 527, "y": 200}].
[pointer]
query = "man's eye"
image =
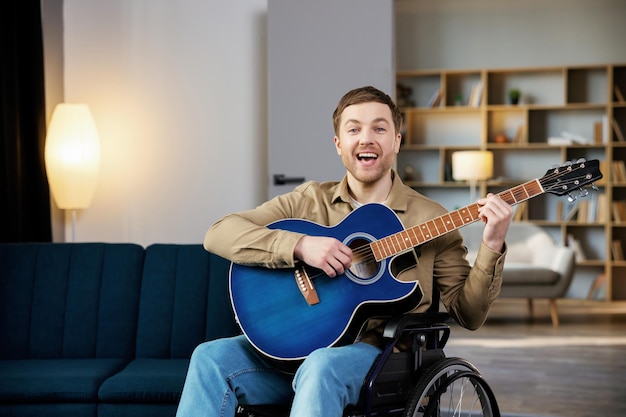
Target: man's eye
[
  {"x": 353, "y": 130},
  {"x": 381, "y": 129}
]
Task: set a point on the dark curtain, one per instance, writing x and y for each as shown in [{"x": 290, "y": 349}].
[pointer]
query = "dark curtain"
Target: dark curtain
[{"x": 24, "y": 193}]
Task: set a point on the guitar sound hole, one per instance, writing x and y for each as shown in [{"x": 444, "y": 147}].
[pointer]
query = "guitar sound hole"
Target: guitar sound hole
[{"x": 364, "y": 265}]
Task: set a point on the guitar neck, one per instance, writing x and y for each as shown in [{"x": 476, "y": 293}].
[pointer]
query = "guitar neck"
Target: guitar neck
[{"x": 431, "y": 229}]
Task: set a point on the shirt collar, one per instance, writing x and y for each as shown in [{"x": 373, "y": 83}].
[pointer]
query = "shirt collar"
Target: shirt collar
[{"x": 397, "y": 199}]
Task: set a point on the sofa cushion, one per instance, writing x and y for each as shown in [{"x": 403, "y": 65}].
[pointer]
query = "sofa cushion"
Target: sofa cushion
[
  {"x": 184, "y": 301},
  {"x": 69, "y": 300},
  {"x": 54, "y": 380},
  {"x": 146, "y": 381}
]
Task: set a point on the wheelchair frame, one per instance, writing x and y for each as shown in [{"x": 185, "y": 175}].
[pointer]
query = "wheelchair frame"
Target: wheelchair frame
[{"x": 400, "y": 383}]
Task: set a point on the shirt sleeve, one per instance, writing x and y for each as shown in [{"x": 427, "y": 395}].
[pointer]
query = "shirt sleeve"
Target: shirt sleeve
[
  {"x": 244, "y": 237},
  {"x": 479, "y": 290}
]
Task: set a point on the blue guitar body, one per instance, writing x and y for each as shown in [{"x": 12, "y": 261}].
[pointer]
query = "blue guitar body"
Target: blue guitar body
[{"x": 279, "y": 321}]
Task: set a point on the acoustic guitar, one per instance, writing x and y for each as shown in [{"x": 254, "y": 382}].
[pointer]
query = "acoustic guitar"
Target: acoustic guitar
[{"x": 288, "y": 313}]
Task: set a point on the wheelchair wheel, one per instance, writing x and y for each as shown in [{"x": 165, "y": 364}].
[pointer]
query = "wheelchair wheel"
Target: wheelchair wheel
[{"x": 452, "y": 387}]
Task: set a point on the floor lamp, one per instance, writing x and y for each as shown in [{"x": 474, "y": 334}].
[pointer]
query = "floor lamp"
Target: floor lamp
[
  {"x": 472, "y": 166},
  {"x": 72, "y": 157}
]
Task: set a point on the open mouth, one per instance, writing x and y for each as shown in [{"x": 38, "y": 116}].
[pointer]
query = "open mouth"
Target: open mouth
[{"x": 367, "y": 156}]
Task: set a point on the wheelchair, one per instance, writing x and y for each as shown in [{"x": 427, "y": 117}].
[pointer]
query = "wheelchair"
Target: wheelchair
[{"x": 418, "y": 382}]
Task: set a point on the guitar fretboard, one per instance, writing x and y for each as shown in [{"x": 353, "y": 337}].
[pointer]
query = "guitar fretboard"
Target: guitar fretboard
[{"x": 431, "y": 229}]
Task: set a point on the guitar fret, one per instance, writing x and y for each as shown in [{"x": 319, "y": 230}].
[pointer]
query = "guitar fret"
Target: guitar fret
[
  {"x": 439, "y": 224},
  {"x": 448, "y": 222},
  {"x": 407, "y": 240},
  {"x": 458, "y": 222},
  {"x": 388, "y": 250},
  {"x": 427, "y": 235},
  {"x": 398, "y": 243},
  {"x": 417, "y": 240}
]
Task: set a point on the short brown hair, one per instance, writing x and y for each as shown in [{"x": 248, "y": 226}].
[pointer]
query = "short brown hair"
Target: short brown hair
[{"x": 366, "y": 94}]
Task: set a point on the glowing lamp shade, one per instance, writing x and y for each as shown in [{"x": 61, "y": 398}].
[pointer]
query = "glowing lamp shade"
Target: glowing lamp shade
[
  {"x": 72, "y": 155},
  {"x": 472, "y": 166}
]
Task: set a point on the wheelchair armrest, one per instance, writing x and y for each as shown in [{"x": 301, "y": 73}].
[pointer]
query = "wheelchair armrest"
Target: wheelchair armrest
[{"x": 397, "y": 325}]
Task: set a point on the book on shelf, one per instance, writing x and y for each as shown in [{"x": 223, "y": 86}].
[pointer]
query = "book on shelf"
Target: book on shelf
[
  {"x": 577, "y": 247},
  {"x": 572, "y": 211},
  {"x": 597, "y": 133},
  {"x": 435, "y": 99},
  {"x": 520, "y": 135},
  {"x": 583, "y": 211},
  {"x": 591, "y": 209},
  {"x": 596, "y": 286},
  {"x": 618, "y": 209},
  {"x": 476, "y": 95},
  {"x": 606, "y": 133},
  {"x": 618, "y": 171},
  {"x": 618, "y": 94},
  {"x": 616, "y": 250},
  {"x": 618, "y": 131}
]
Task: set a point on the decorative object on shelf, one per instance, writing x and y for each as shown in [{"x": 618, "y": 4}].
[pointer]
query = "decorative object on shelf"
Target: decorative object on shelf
[
  {"x": 472, "y": 166},
  {"x": 501, "y": 138},
  {"x": 404, "y": 93},
  {"x": 514, "y": 95},
  {"x": 458, "y": 100},
  {"x": 72, "y": 157}
]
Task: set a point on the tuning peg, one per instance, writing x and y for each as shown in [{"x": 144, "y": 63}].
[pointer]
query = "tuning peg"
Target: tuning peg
[
  {"x": 594, "y": 187},
  {"x": 581, "y": 160},
  {"x": 571, "y": 198},
  {"x": 583, "y": 192}
]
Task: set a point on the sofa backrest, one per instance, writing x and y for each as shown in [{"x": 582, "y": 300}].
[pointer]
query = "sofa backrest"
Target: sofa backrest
[
  {"x": 184, "y": 301},
  {"x": 69, "y": 300}
]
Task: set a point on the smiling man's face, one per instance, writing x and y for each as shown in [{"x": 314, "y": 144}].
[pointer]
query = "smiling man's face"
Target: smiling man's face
[{"x": 367, "y": 141}]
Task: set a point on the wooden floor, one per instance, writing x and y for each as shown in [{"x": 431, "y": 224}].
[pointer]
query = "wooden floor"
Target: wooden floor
[{"x": 575, "y": 370}]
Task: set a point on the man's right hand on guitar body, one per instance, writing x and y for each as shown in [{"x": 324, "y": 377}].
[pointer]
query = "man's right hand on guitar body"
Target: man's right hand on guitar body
[{"x": 325, "y": 253}]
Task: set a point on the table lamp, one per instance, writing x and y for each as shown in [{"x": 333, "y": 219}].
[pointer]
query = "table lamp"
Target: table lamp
[{"x": 472, "y": 166}]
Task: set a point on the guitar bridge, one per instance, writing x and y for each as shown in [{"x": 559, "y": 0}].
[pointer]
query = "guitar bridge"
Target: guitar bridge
[{"x": 305, "y": 285}]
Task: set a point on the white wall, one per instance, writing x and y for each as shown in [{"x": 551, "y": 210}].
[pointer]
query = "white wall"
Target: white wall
[
  {"x": 448, "y": 34},
  {"x": 178, "y": 91}
]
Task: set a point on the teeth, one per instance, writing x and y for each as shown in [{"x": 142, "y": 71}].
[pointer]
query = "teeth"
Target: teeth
[{"x": 368, "y": 155}]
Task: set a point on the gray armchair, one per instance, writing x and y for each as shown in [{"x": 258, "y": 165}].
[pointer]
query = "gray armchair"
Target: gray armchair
[{"x": 535, "y": 267}]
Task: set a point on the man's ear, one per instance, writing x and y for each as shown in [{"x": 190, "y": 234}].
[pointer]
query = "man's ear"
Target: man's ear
[
  {"x": 337, "y": 145},
  {"x": 398, "y": 142}
]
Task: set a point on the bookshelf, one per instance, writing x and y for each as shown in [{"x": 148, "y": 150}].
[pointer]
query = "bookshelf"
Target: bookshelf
[{"x": 564, "y": 113}]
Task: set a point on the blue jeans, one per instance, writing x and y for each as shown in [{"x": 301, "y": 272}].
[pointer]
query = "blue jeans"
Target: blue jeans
[{"x": 226, "y": 372}]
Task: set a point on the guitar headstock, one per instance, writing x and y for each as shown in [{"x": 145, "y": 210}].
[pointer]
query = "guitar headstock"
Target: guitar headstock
[{"x": 571, "y": 176}]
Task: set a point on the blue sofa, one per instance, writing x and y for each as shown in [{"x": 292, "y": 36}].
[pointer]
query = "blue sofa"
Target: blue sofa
[{"x": 102, "y": 329}]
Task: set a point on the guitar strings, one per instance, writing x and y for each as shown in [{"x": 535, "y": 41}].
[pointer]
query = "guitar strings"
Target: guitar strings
[
  {"x": 364, "y": 252},
  {"x": 519, "y": 193}
]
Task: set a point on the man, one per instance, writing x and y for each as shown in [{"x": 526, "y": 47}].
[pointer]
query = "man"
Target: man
[{"x": 225, "y": 372}]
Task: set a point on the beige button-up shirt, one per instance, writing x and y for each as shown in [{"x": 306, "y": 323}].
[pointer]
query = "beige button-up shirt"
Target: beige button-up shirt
[{"x": 467, "y": 293}]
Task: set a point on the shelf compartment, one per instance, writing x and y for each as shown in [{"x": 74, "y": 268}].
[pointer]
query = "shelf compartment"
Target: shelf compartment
[
  {"x": 524, "y": 163},
  {"x": 541, "y": 86},
  {"x": 579, "y": 122},
  {"x": 460, "y": 84},
  {"x": 510, "y": 121},
  {"x": 587, "y": 85},
  {"x": 417, "y": 90},
  {"x": 619, "y": 85},
  {"x": 425, "y": 165},
  {"x": 444, "y": 128}
]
